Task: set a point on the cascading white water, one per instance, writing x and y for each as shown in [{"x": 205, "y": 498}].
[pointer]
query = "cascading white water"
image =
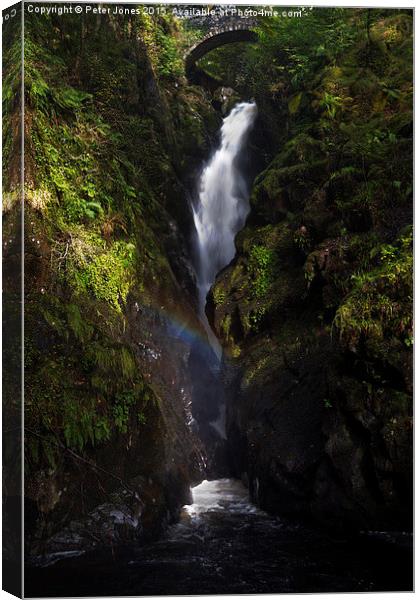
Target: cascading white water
[
  {"x": 223, "y": 201},
  {"x": 220, "y": 213}
]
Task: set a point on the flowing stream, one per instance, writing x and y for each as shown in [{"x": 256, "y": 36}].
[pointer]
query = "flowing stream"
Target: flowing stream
[{"x": 224, "y": 544}]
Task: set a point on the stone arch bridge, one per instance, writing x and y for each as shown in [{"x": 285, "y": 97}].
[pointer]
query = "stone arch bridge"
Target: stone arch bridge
[{"x": 223, "y": 31}]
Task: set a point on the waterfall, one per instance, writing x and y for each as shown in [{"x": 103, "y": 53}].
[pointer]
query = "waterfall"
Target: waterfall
[
  {"x": 223, "y": 201},
  {"x": 220, "y": 213}
]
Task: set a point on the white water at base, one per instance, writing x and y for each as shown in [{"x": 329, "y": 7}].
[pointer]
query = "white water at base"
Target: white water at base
[
  {"x": 223, "y": 200},
  {"x": 220, "y": 495}
]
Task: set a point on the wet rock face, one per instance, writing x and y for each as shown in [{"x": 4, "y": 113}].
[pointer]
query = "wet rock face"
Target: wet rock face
[
  {"x": 117, "y": 521},
  {"x": 368, "y": 443},
  {"x": 134, "y": 514},
  {"x": 275, "y": 434},
  {"x": 311, "y": 441}
]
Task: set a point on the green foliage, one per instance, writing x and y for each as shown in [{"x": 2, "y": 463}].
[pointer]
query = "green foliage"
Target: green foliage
[
  {"x": 379, "y": 304},
  {"x": 294, "y": 103},
  {"x": 96, "y": 402},
  {"x": 331, "y": 104},
  {"x": 288, "y": 49},
  {"x": 102, "y": 173},
  {"x": 82, "y": 425},
  {"x": 69, "y": 163},
  {"x": 112, "y": 361},
  {"x": 100, "y": 184},
  {"x": 11, "y": 98},
  {"x": 121, "y": 410},
  {"x": 164, "y": 45},
  {"x": 257, "y": 315},
  {"x": 105, "y": 273},
  {"x": 169, "y": 59},
  {"x": 262, "y": 266},
  {"x": 95, "y": 376}
]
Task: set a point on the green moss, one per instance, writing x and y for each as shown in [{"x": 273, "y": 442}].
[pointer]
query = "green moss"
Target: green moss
[
  {"x": 225, "y": 325},
  {"x": 256, "y": 316},
  {"x": 219, "y": 295},
  {"x": 106, "y": 273},
  {"x": 262, "y": 268},
  {"x": 380, "y": 301},
  {"x": 81, "y": 329}
]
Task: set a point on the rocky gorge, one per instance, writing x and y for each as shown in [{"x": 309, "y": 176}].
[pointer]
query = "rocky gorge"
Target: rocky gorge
[{"x": 313, "y": 312}]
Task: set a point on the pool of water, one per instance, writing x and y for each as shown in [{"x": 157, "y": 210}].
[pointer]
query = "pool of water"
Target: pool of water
[{"x": 225, "y": 544}]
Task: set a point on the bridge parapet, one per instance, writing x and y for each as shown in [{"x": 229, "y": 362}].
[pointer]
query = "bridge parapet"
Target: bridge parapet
[
  {"x": 220, "y": 30},
  {"x": 224, "y": 27}
]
